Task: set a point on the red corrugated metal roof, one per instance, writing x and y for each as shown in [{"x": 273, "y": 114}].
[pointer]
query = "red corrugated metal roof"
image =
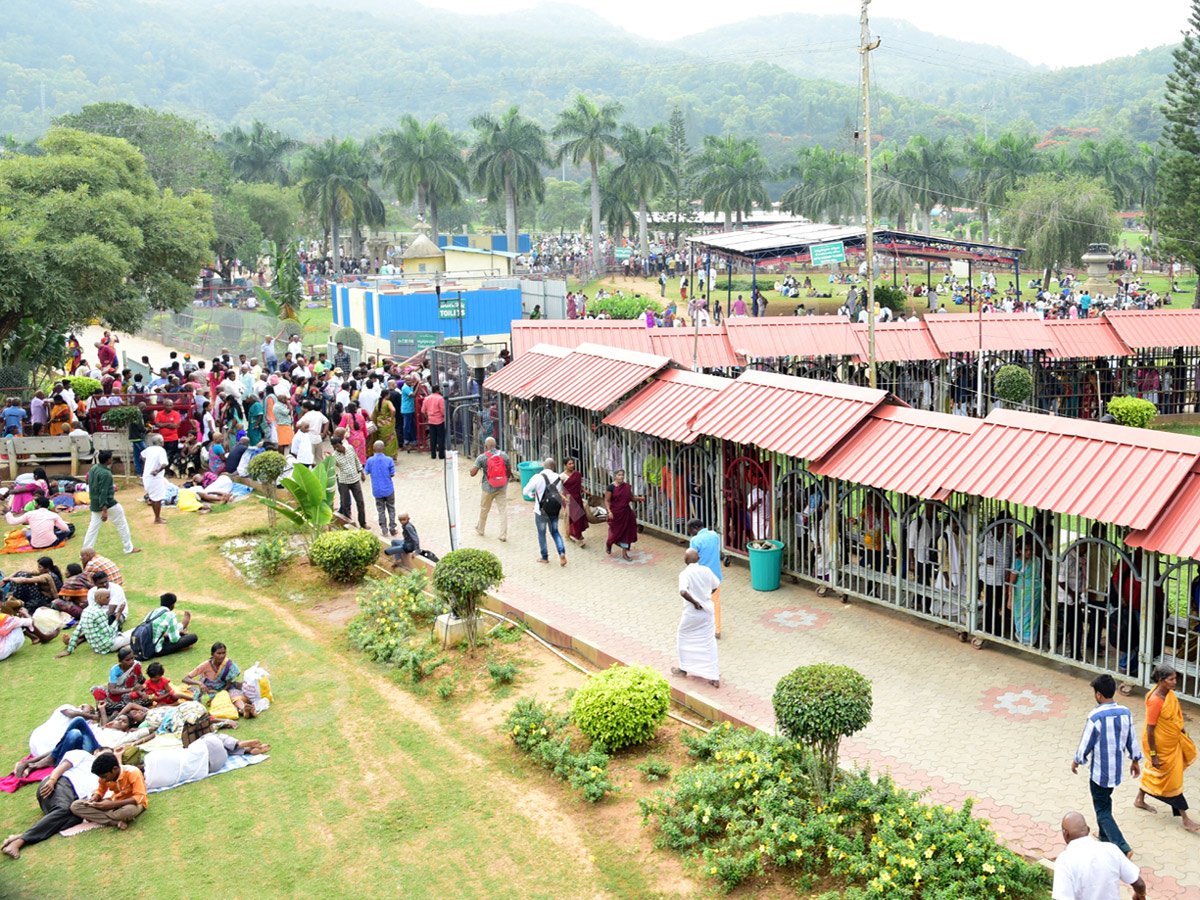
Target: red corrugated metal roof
[
  {"x": 630, "y": 334},
  {"x": 798, "y": 417},
  {"x": 513, "y": 378},
  {"x": 899, "y": 449},
  {"x": 897, "y": 342},
  {"x": 595, "y": 377},
  {"x": 961, "y": 333},
  {"x": 714, "y": 350},
  {"x": 666, "y": 407},
  {"x": 1176, "y": 531},
  {"x": 1157, "y": 328},
  {"x": 1105, "y": 472},
  {"x": 807, "y": 336},
  {"x": 1085, "y": 339}
]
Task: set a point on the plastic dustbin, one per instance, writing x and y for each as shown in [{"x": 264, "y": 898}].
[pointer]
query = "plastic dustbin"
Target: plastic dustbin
[
  {"x": 527, "y": 470},
  {"x": 765, "y": 566}
]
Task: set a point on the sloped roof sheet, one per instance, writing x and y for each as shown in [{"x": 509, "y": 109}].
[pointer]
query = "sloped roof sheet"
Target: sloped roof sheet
[
  {"x": 1072, "y": 466},
  {"x": 897, "y": 342},
  {"x": 713, "y": 348},
  {"x": 899, "y": 449},
  {"x": 666, "y": 407},
  {"x": 1157, "y": 328},
  {"x": 1085, "y": 339},
  {"x": 513, "y": 378},
  {"x": 958, "y": 333},
  {"x": 594, "y": 377},
  {"x": 1176, "y": 531},
  {"x": 564, "y": 333},
  {"x": 813, "y": 336},
  {"x": 799, "y": 417}
]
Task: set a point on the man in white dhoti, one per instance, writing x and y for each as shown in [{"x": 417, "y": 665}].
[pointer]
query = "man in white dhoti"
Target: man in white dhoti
[
  {"x": 154, "y": 464},
  {"x": 696, "y": 639}
]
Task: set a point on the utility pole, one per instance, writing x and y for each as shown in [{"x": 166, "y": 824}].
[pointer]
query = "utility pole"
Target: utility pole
[
  {"x": 983, "y": 108},
  {"x": 865, "y": 49}
]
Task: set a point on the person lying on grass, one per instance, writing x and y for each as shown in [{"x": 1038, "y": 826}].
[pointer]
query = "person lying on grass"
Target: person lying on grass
[
  {"x": 71, "y": 780},
  {"x": 122, "y": 731}
]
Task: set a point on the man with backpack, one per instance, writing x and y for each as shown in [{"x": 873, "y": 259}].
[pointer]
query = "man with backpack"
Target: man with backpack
[
  {"x": 494, "y": 464},
  {"x": 545, "y": 489},
  {"x": 161, "y": 633}
]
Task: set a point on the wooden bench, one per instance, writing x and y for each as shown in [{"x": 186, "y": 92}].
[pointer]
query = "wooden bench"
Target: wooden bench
[
  {"x": 120, "y": 445},
  {"x": 35, "y": 451}
]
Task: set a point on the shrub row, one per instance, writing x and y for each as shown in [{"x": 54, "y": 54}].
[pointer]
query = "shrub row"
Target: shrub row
[{"x": 535, "y": 729}]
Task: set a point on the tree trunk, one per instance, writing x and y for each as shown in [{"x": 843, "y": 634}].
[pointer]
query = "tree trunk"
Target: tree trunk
[
  {"x": 596, "y": 255},
  {"x": 1196, "y": 298},
  {"x": 739, "y": 220},
  {"x": 643, "y": 240},
  {"x": 728, "y": 221},
  {"x": 433, "y": 217},
  {"x": 421, "y": 200},
  {"x": 510, "y": 213},
  {"x": 335, "y": 243},
  {"x": 983, "y": 221}
]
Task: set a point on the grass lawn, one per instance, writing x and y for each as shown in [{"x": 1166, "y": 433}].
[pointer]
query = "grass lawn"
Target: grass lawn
[{"x": 368, "y": 793}]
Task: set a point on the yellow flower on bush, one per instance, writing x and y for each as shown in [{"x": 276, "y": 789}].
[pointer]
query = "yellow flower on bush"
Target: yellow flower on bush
[{"x": 989, "y": 868}]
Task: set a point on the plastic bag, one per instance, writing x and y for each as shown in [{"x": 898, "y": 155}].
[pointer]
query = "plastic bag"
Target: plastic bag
[
  {"x": 222, "y": 707},
  {"x": 256, "y": 683}
]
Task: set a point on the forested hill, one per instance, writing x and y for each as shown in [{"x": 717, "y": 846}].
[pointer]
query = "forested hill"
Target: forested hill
[{"x": 313, "y": 71}]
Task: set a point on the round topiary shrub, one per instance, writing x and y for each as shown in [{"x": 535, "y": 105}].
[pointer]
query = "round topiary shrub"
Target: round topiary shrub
[
  {"x": 461, "y": 577},
  {"x": 1132, "y": 411},
  {"x": 818, "y": 706},
  {"x": 83, "y": 386},
  {"x": 622, "y": 706},
  {"x": 1013, "y": 384},
  {"x": 348, "y": 336},
  {"x": 344, "y": 555},
  {"x": 122, "y": 416},
  {"x": 266, "y": 467}
]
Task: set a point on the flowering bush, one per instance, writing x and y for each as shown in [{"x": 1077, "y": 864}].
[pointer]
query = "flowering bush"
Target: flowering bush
[
  {"x": 535, "y": 729},
  {"x": 621, "y": 706},
  {"x": 391, "y": 611},
  {"x": 749, "y": 806}
]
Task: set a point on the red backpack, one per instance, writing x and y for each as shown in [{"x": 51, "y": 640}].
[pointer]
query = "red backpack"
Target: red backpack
[{"x": 497, "y": 470}]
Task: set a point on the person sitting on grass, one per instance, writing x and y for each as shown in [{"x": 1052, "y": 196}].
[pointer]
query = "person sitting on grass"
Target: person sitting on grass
[
  {"x": 101, "y": 633},
  {"x": 220, "y": 673},
  {"x": 44, "y": 527},
  {"x": 128, "y": 789},
  {"x": 125, "y": 680},
  {"x": 158, "y": 687},
  {"x": 406, "y": 545},
  {"x": 169, "y": 635},
  {"x": 72, "y": 596}
]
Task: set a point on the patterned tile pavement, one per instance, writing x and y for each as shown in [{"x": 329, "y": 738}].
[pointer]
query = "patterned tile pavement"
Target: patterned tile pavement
[{"x": 994, "y": 724}]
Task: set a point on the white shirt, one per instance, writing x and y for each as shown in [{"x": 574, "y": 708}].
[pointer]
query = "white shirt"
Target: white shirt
[
  {"x": 302, "y": 448},
  {"x": 117, "y": 602},
  {"x": 44, "y": 738},
  {"x": 316, "y": 421},
  {"x": 699, "y": 581},
  {"x": 80, "y": 774},
  {"x": 1089, "y": 869},
  {"x": 368, "y": 399},
  {"x": 295, "y": 348},
  {"x": 537, "y": 486}
]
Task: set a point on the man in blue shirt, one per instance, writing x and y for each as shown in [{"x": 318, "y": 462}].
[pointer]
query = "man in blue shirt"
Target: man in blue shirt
[
  {"x": 381, "y": 468},
  {"x": 1085, "y": 303},
  {"x": 1108, "y": 736},
  {"x": 408, "y": 409},
  {"x": 14, "y": 415},
  {"x": 707, "y": 543}
]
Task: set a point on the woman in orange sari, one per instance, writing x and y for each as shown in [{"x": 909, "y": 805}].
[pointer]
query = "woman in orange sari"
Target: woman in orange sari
[
  {"x": 60, "y": 415},
  {"x": 1168, "y": 748}
]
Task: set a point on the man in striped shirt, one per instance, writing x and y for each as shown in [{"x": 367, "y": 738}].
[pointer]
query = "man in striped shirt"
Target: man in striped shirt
[{"x": 1108, "y": 736}]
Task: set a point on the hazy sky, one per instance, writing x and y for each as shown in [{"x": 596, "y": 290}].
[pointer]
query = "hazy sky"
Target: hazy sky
[{"x": 1046, "y": 32}]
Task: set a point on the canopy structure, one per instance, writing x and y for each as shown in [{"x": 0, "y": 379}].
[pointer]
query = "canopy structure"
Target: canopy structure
[
  {"x": 795, "y": 240},
  {"x": 1145, "y": 329},
  {"x": 1085, "y": 339},
  {"x": 666, "y": 407},
  {"x": 898, "y": 342},
  {"x": 811, "y": 336},
  {"x": 629, "y": 334},
  {"x": 1176, "y": 531},
  {"x": 710, "y": 348},
  {"x": 594, "y": 377},
  {"x": 1105, "y": 472},
  {"x": 512, "y": 378},
  {"x": 991, "y": 332}
]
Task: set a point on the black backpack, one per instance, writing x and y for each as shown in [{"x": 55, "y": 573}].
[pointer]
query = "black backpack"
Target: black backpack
[
  {"x": 141, "y": 639},
  {"x": 551, "y": 499}
]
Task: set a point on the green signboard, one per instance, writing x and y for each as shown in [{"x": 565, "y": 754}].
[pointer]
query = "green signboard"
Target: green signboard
[
  {"x": 451, "y": 309},
  {"x": 623, "y": 253},
  {"x": 824, "y": 254},
  {"x": 427, "y": 339}
]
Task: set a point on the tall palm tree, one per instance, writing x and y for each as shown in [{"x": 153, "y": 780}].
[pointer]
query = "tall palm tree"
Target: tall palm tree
[
  {"x": 506, "y": 161},
  {"x": 644, "y": 171},
  {"x": 927, "y": 168},
  {"x": 616, "y": 202},
  {"x": 259, "y": 154},
  {"x": 1014, "y": 157},
  {"x": 424, "y": 164},
  {"x": 1145, "y": 179},
  {"x": 368, "y": 209},
  {"x": 1112, "y": 163},
  {"x": 590, "y": 130},
  {"x": 828, "y": 185},
  {"x": 335, "y": 186},
  {"x": 732, "y": 174}
]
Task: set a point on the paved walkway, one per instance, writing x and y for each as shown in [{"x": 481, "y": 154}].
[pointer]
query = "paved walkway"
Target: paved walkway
[{"x": 992, "y": 724}]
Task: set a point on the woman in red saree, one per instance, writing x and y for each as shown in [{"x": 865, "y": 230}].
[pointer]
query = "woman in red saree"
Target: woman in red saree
[
  {"x": 577, "y": 514},
  {"x": 622, "y": 523}
]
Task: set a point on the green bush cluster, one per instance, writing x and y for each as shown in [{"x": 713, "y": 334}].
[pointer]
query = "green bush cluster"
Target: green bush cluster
[
  {"x": 391, "y": 612},
  {"x": 267, "y": 467},
  {"x": 653, "y": 769},
  {"x": 748, "y": 808},
  {"x": 622, "y": 307},
  {"x": 271, "y": 554},
  {"x": 1013, "y": 383},
  {"x": 122, "y": 416},
  {"x": 1132, "y": 411},
  {"x": 535, "y": 729},
  {"x": 350, "y": 337},
  {"x": 893, "y": 298},
  {"x": 502, "y": 673},
  {"x": 622, "y": 706},
  {"x": 344, "y": 555},
  {"x": 83, "y": 386}
]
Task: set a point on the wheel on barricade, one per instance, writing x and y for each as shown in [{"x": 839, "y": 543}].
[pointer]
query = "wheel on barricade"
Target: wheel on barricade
[{"x": 977, "y": 643}]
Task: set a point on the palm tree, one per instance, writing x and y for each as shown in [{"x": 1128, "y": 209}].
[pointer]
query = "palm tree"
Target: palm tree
[
  {"x": 259, "y": 154},
  {"x": 926, "y": 168},
  {"x": 1145, "y": 179},
  {"x": 828, "y": 185},
  {"x": 1112, "y": 163},
  {"x": 616, "y": 202},
  {"x": 506, "y": 162},
  {"x": 424, "y": 164},
  {"x": 591, "y": 130},
  {"x": 994, "y": 169},
  {"x": 368, "y": 209},
  {"x": 644, "y": 171},
  {"x": 732, "y": 173},
  {"x": 335, "y": 186}
]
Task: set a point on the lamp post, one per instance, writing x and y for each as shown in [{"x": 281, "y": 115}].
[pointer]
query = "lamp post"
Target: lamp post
[{"x": 477, "y": 358}]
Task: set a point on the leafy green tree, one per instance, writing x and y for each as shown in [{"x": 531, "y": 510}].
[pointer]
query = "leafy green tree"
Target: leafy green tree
[
  {"x": 616, "y": 202},
  {"x": 1055, "y": 218},
  {"x": 85, "y": 234},
  {"x": 1179, "y": 173},
  {"x": 1113, "y": 163},
  {"x": 259, "y": 155},
  {"x": 425, "y": 164},
  {"x": 590, "y": 130},
  {"x": 828, "y": 185},
  {"x": 368, "y": 210},
  {"x": 275, "y": 210},
  {"x": 676, "y": 199},
  {"x": 562, "y": 209},
  {"x": 644, "y": 171},
  {"x": 732, "y": 176},
  {"x": 506, "y": 163},
  {"x": 926, "y": 168}
]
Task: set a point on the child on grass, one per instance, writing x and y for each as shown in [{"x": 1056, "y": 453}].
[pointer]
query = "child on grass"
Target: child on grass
[{"x": 158, "y": 687}]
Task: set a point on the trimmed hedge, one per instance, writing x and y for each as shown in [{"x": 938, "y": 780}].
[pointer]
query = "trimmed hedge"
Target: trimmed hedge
[
  {"x": 622, "y": 706},
  {"x": 344, "y": 555},
  {"x": 350, "y": 337}
]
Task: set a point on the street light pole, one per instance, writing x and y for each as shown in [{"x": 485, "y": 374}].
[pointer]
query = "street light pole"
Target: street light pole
[{"x": 865, "y": 49}]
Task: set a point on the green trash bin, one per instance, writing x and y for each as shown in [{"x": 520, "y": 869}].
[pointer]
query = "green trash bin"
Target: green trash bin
[
  {"x": 765, "y": 566},
  {"x": 527, "y": 470}
]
